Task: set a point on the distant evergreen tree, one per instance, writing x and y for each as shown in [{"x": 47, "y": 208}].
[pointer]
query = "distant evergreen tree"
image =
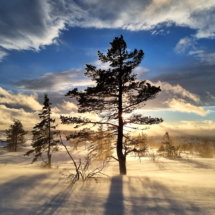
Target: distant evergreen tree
[
  {"x": 44, "y": 134},
  {"x": 15, "y": 136},
  {"x": 167, "y": 149}
]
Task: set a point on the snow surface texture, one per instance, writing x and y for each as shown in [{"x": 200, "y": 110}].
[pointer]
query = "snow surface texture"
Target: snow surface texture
[{"x": 180, "y": 186}]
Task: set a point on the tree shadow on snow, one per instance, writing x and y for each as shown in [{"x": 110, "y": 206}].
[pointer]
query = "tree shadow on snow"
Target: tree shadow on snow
[
  {"x": 32, "y": 195},
  {"x": 21, "y": 195},
  {"x": 56, "y": 203},
  {"x": 114, "y": 204},
  {"x": 150, "y": 197},
  {"x": 197, "y": 164}
]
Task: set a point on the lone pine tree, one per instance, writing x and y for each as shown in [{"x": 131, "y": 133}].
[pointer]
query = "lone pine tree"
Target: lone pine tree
[
  {"x": 15, "y": 136},
  {"x": 116, "y": 95},
  {"x": 44, "y": 134}
]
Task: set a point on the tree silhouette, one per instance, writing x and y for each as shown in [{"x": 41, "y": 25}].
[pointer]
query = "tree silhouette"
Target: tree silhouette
[
  {"x": 167, "y": 149},
  {"x": 15, "y": 136},
  {"x": 116, "y": 95},
  {"x": 44, "y": 135}
]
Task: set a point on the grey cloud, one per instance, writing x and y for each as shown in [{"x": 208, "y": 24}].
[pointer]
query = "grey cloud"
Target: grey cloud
[
  {"x": 2, "y": 54},
  {"x": 28, "y": 24},
  {"x": 198, "y": 79},
  {"x": 204, "y": 56},
  {"x": 203, "y": 20},
  {"x": 184, "y": 44},
  {"x": 55, "y": 81},
  {"x": 33, "y": 24}
]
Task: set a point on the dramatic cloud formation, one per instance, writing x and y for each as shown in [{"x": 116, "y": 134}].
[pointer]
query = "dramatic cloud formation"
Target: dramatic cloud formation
[
  {"x": 28, "y": 119},
  {"x": 28, "y": 115},
  {"x": 196, "y": 79},
  {"x": 182, "y": 106},
  {"x": 70, "y": 79},
  {"x": 30, "y": 25},
  {"x": 56, "y": 81},
  {"x": 176, "y": 98},
  {"x": 177, "y": 90},
  {"x": 29, "y": 101}
]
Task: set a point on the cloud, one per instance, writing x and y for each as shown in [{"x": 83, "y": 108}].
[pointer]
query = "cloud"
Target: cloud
[
  {"x": 184, "y": 44},
  {"x": 177, "y": 90},
  {"x": 182, "y": 106},
  {"x": 101, "y": 65},
  {"x": 196, "y": 79},
  {"x": 31, "y": 25},
  {"x": 147, "y": 15},
  {"x": 69, "y": 106},
  {"x": 29, "y": 101},
  {"x": 26, "y": 109},
  {"x": 2, "y": 55},
  {"x": 210, "y": 95},
  {"x": 203, "y": 56},
  {"x": 55, "y": 109},
  {"x": 56, "y": 81},
  {"x": 28, "y": 119},
  {"x": 197, "y": 128},
  {"x": 174, "y": 98}
]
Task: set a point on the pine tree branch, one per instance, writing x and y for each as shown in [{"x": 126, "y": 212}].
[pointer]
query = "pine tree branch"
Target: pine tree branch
[{"x": 84, "y": 121}]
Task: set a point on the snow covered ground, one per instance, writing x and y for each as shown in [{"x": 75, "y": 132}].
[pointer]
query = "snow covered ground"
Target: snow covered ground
[{"x": 180, "y": 186}]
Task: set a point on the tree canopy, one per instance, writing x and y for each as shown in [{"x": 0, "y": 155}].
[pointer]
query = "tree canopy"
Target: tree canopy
[
  {"x": 115, "y": 95},
  {"x": 44, "y": 134},
  {"x": 15, "y": 136}
]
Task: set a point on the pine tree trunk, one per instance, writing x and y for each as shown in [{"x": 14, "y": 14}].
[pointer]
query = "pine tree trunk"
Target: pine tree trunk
[
  {"x": 121, "y": 157},
  {"x": 122, "y": 166},
  {"x": 49, "y": 161},
  {"x": 49, "y": 147}
]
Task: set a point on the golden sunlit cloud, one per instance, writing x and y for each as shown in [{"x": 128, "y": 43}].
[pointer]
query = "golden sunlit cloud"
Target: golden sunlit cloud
[
  {"x": 182, "y": 106},
  {"x": 177, "y": 90},
  {"x": 68, "y": 105},
  {"x": 29, "y": 101},
  {"x": 28, "y": 119}
]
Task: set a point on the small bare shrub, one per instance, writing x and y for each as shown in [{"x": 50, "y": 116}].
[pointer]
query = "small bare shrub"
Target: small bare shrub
[{"x": 83, "y": 172}]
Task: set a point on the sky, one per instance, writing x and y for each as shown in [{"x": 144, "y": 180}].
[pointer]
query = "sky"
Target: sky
[{"x": 45, "y": 46}]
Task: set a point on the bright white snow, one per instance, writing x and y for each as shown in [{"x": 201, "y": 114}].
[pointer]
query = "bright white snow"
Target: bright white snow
[{"x": 180, "y": 186}]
